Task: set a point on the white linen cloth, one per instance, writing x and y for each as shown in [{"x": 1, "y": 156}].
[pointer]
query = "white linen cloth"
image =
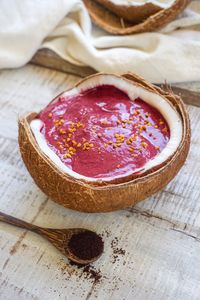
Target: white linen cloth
[{"x": 172, "y": 54}]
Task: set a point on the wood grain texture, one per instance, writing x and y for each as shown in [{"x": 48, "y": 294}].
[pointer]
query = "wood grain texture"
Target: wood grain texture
[
  {"x": 51, "y": 60},
  {"x": 160, "y": 236}
]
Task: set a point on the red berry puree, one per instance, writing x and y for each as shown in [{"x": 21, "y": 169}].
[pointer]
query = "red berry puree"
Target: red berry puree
[{"x": 101, "y": 133}]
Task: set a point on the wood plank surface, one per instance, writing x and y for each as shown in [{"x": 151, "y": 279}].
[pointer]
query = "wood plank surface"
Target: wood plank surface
[
  {"x": 160, "y": 236},
  {"x": 49, "y": 59}
]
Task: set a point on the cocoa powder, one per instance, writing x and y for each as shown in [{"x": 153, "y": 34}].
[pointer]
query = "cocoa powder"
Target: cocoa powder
[
  {"x": 117, "y": 252},
  {"x": 80, "y": 244},
  {"x": 91, "y": 273},
  {"x": 86, "y": 245},
  {"x": 88, "y": 272}
]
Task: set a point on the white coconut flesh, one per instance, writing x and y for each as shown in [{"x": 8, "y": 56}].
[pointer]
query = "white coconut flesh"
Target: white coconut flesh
[
  {"x": 133, "y": 91},
  {"x": 160, "y": 3}
]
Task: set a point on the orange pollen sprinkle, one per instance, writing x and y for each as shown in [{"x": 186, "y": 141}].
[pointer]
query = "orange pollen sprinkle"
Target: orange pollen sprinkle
[
  {"x": 164, "y": 129},
  {"x": 133, "y": 138},
  {"x": 58, "y": 123},
  {"x": 79, "y": 125},
  {"x": 144, "y": 127},
  {"x": 71, "y": 149},
  {"x": 50, "y": 115},
  {"x": 120, "y": 140},
  {"x": 72, "y": 129},
  {"x": 155, "y": 126},
  {"x": 62, "y": 131},
  {"x": 67, "y": 155},
  {"x": 119, "y": 136},
  {"x": 129, "y": 142},
  {"x": 131, "y": 149},
  {"x": 140, "y": 128},
  {"x": 144, "y": 145},
  {"x": 87, "y": 146}
]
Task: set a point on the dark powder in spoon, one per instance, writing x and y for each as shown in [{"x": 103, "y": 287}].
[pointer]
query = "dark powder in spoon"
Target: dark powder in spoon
[{"x": 86, "y": 245}]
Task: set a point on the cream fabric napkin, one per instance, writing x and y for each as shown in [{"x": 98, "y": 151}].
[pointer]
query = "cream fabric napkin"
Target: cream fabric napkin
[{"x": 172, "y": 54}]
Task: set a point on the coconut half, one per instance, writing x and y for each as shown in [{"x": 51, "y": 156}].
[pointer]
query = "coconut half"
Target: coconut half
[
  {"x": 117, "y": 190},
  {"x": 128, "y": 17},
  {"x": 135, "y": 11}
]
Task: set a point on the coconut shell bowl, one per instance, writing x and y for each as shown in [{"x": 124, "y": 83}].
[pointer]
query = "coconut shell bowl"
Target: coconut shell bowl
[
  {"x": 128, "y": 17},
  {"x": 107, "y": 143}
]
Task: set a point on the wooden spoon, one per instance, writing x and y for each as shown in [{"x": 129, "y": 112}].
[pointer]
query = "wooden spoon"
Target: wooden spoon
[{"x": 60, "y": 238}]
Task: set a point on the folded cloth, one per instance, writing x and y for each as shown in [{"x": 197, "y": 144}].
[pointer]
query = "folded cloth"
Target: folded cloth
[{"x": 171, "y": 54}]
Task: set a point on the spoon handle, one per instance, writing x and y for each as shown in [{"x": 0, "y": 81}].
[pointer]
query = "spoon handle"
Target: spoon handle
[{"x": 17, "y": 222}]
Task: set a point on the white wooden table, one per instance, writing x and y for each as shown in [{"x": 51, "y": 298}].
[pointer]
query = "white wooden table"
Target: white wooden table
[{"x": 161, "y": 236}]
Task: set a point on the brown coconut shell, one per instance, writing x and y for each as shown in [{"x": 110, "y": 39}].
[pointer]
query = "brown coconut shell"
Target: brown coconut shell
[
  {"x": 91, "y": 197},
  {"x": 133, "y": 13},
  {"x": 112, "y": 20}
]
